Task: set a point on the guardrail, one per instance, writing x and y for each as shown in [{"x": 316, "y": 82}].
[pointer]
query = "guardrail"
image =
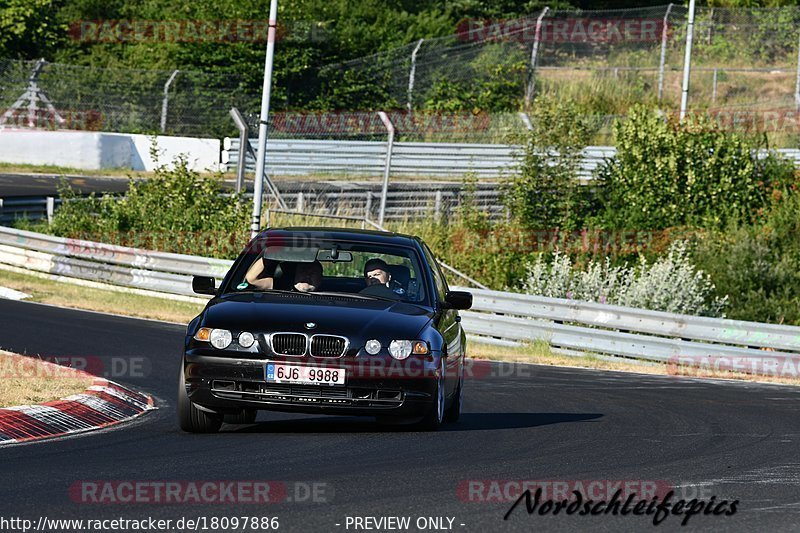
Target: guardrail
[
  {"x": 496, "y": 317},
  {"x": 502, "y": 317},
  {"x": 319, "y": 157}
]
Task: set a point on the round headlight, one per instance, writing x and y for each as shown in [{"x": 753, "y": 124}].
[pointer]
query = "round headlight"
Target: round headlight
[
  {"x": 400, "y": 349},
  {"x": 246, "y": 339},
  {"x": 373, "y": 346},
  {"x": 220, "y": 338}
]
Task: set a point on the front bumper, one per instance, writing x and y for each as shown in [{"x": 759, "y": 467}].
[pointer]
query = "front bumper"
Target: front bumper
[{"x": 374, "y": 386}]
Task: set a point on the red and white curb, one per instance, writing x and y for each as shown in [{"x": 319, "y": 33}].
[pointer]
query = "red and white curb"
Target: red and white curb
[{"x": 103, "y": 404}]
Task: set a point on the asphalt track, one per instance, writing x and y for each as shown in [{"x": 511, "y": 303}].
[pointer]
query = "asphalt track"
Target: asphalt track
[{"x": 735, "y": 441}]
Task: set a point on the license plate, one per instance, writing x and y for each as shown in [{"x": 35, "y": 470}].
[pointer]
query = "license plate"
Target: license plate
[{"x": 306, "y": 375}]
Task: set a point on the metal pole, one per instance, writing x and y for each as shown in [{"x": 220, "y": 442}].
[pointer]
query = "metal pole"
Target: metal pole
[
  {"x": 797, "y": 81},
  {"x": 714, "y": 88},
  {"x": 241, "y": 167},
  {"x": 412, "y": 73},
  {"x": 687, "y": 61},
  {"x": 262, "y": 123},
  {"x": 661, "y": 62},
  {"x": 165, "y": 101},
  {"x": 534, "y": 57},
  {"x": 390, "y": 144}
]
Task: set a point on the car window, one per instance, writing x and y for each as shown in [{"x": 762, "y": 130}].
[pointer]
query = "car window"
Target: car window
[
  {"x": 438, "y": 277},
  {"x": 342, "y": 268}
]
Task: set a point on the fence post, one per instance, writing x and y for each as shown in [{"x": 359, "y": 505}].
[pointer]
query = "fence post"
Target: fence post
[
  {"x": 412, "y": 73},
  {"x": 437, "y": 205},
  {"x": 244, "y": 140},
  {"x": 534, "y": 57},
  {"x": 687, "y": 61},
  {"x": 51, "y": 208},
  {"x": 389, "y": 146},
  {"x": 797, "y": 81},
  {"x": 165, "y": 101},
  {"x": 714, "y": 88},
  {"x": 368, "y": 205},
  {"x": 663, "y": 53},
  {"x": 300, "y": 207}
]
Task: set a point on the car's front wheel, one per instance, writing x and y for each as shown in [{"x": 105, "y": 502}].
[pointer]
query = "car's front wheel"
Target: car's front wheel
[
  {"x": 191, "y": 418},
  {"x": 434, "y": 416},
  {"x": 453, "y": 413}
]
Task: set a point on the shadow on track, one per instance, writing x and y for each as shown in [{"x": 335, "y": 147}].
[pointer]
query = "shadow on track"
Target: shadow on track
[{"x": 468, "y": 422}]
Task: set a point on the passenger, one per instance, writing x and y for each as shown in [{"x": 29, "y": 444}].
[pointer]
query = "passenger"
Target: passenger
[{"x": 307, "y": 276}]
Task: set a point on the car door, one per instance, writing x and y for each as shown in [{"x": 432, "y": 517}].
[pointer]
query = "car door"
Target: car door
[{"x": 448, "y": 325}]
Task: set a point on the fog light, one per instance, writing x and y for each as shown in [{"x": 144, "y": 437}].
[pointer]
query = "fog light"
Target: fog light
[
  {"x": 220, "y": 338},
  {"x": 373, "y": 346}
]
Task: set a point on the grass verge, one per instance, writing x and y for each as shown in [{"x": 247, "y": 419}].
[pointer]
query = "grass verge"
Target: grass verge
[
  {"x": 80, "y": 297},
  {"x": 540, "y": 353},
  {"x": 26, "y": 380}
]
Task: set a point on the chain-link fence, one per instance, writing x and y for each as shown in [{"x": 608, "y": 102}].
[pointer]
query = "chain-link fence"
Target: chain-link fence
[
  {"x": 118, "y": 100},
  {"x": 466, "y": 87}
]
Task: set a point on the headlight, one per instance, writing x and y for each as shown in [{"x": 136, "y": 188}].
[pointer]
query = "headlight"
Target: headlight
[
  {"x": 246, "y": 339},
  {"x": 373, "y": 346},
  {"x": 400, "y": 349},
  {"x": 220, "y": 338}
]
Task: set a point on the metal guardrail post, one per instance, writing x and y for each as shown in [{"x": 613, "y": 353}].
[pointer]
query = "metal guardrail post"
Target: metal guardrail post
[
  {"x": 412, "y": 73},
  {"x": 165, "y": 101},
  {"x": 534, "y": 58},
  {"x": 526, "y": 120},
  {"x": 244, "y": 131},
  {"x": 300, "y": 207},
  {"x": 389, "y": 146},
  {"x": 664, "y": 36},
  {"x": 51, "y": 207}
]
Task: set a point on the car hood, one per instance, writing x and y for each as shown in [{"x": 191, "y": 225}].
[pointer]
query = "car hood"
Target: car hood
[{"x": 359, "y": 319}]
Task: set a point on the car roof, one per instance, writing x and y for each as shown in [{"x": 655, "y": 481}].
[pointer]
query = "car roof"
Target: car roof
[{"x": 344, "y": 234}]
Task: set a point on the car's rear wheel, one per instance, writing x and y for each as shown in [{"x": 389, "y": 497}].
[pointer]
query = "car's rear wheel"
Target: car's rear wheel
[
  {"x": 245, "y": 416},
  {"x": 434, "y": 416},
  {"x": 191, "y": 418}
]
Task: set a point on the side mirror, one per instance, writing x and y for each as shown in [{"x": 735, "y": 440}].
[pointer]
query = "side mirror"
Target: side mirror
[
  {"x": 458, "y": 300},
  {"x": 204, "y": 285}
]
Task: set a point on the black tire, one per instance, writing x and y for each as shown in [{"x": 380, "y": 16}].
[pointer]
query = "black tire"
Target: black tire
[
  {"x": 192, "y": 419},
  {"x": 453, "y": 413},
  {"x": 434, "y": 416},
  {"x": 245, "y": 416}
]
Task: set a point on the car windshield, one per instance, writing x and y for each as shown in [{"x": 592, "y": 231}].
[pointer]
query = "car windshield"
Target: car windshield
[{"x": 356, "y": 269}]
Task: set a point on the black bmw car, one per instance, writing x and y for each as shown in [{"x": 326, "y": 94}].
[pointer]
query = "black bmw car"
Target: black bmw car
[{"x": 327, "y": 321}]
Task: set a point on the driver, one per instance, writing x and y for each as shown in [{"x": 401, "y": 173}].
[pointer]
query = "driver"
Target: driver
[
  {"x": 376, "y": 272},
  {"x": 307, "y": 276}
]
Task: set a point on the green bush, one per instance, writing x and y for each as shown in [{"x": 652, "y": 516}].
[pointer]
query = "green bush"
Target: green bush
[
  {"x": 176, "y": 210},
  {"x": 758, "y": 266},
  {"x": 545, "y": 191},
  {"x": 667, "y": 173}
]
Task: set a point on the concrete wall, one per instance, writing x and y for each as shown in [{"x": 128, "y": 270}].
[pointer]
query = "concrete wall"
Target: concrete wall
[{"x": 99, "y": 150}]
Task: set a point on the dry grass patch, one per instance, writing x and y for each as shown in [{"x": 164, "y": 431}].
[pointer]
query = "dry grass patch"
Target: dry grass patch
[
  {"x": 107, "y": 301},
  {"x": 27, "y": 380}
]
